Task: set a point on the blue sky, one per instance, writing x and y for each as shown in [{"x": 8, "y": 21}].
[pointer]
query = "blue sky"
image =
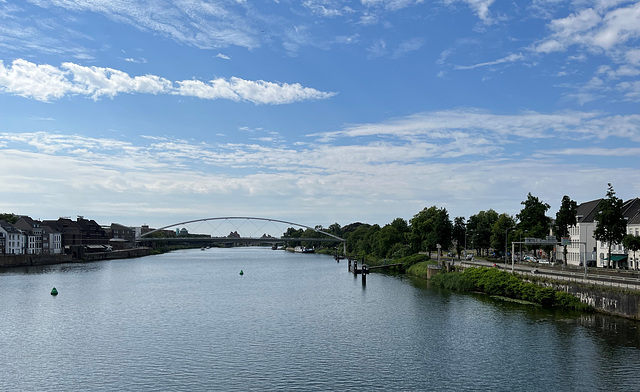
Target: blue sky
[{"x": 317, "y": 111}]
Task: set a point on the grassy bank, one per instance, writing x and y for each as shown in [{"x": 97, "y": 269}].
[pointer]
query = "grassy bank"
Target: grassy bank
[{"x": 495, "y": 282}]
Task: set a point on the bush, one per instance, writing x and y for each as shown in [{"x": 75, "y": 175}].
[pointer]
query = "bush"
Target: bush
[{"x": 495, "y": 282}]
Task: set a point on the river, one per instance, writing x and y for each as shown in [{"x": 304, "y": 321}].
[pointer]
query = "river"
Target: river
[{"x": 188, "y": 321}]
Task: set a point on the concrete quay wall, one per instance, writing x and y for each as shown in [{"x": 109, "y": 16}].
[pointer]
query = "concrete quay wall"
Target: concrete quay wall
[
  {"x": 624, "y": 303},
  {"x": 35, "y": 260}
]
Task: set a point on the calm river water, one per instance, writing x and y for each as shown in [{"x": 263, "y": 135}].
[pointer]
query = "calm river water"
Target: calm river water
[{"x": 187, "y": 321}]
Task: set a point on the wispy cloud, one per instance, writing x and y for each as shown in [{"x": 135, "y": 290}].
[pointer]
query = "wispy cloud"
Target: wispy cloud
[
  {"x": 104, "y": 175},
  {"x": 508, "y": 59},
  {"x": 479, "y": 7},
  {"x": 46, "y": 82},
  {"x": 470, "y": 123}
]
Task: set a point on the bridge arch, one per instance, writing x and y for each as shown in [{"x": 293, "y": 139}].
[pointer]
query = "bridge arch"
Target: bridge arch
[{"x": 226, "y": 218}]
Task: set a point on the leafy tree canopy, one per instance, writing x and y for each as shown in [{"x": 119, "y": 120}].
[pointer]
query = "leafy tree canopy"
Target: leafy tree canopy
[
  {"x": 611, "y": 225},
  {"x": 566, "y": 217},
  {"x": 431, "y": 227},
  {"x": 532, "y": 218},
  {"x": 480, "y": 226},
  {"x": 9, "y": 218}
]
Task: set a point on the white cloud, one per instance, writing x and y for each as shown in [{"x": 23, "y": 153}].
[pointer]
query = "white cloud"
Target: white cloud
[
  {"x": 410, "y": 45},
  {"x": 41, "y": 82},
  {"x": 205, "y": 25},
  {"x": 461, "y": 154},
  {"x": 223, "y": 56},
  {"x": 479, "y": 7},
  {"x": 593, "y": 28},
  {"x": 470, "y": 124},
  {"x": 631, "y": 90},
  {"x": 508, "y": 59},
  {"x": 46, "y": 82}
]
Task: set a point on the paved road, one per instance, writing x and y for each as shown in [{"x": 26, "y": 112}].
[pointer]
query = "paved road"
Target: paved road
[{"x": 599, "y": 276}]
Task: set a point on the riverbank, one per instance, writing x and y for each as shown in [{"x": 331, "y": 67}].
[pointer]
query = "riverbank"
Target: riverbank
[
  {"x": 542, "y": 291},
  {"x": 9, "y": 261}
]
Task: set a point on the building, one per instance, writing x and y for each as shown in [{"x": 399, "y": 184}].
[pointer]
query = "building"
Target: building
[
  {"x": 619, "y": 256},
  {"x": 14, "y": 239},
  {"x": 633, "y": 228},
  {"x": 33, "y": 230},
  {"x": 121, "y": 237},
  {"x": 51, "y": 241},
  {"x": 583, "y": 244}
]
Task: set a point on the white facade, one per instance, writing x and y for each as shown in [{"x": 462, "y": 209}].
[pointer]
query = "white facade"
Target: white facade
[
  {"x": 15, "y": 241},
  {"x": 634, "y": 257},
  {"x": 582, "y": 243}
]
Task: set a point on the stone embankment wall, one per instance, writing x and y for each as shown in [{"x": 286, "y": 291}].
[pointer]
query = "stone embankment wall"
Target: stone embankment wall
[
  {"x": 117, "y": 254},
  {"x": 35, "y": 260},
  {"x": 624, "y": 303}
]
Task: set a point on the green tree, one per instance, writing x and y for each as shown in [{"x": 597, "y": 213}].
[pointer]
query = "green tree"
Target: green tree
[
  {"x": 386, "y": 239},
  {"x": 9, "y": 218},
  {"x": 632, "y": 243},
  {"x": 611, "y": 226},
  {"x": 566, "y": 218},
  {"x": 533, "y": 219},
  {"x": 458, "y": 234},
  {"x": 499, "y": 231},
  {"x": 335, "y": 229},
  {"x": 431, "y": 227},
  {"x": 479, "y": 226}
]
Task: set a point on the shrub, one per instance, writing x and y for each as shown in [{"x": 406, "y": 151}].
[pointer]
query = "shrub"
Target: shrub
[{"x": 501, "y": 283}]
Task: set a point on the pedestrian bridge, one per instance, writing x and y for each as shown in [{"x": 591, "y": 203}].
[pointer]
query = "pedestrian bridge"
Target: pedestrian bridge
[{"x": 236, "y": 229}]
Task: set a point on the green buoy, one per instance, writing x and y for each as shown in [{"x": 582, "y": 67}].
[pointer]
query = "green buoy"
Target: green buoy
[
  {"x": 54, "y": 291},
  {"x": 241, "y": 272}
]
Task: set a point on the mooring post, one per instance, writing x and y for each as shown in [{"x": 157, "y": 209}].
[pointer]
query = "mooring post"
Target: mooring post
[
  {"x": 349, "y": 264},
  {"x": 355, "y": 267}
]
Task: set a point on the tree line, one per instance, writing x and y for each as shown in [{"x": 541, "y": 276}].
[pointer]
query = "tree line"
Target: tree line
[{"x": 487, "y": 232}]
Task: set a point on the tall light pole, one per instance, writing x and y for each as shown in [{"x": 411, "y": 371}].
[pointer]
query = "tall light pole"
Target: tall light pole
[
  {"x": 506, "y": 243},
  {"x": 465, "y": 242}
]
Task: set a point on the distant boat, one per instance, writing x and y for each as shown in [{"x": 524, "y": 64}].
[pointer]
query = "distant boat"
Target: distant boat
[
  {"x": 54, "y": 291},
  {"x": 302, "y": 249}
]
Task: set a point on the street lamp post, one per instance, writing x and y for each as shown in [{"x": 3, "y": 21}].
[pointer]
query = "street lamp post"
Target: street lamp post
[
  {"x": 465, "y": 242},
  {"x": 506, "y": 243}
]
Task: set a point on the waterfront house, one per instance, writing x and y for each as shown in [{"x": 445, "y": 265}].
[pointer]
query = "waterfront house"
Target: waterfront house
[
  {"x": 33, "y": 232},
  {"x": 583, "y": 244},
  {"x": 619, "y": 256},
  {"x": 15, "y": 240}
]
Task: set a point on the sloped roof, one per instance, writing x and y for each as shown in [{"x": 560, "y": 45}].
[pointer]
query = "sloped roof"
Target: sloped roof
[
  {"x": 587, "y": 211},
  {"x": 8, "y": 227},
  {"x": 630, "y": 208}
]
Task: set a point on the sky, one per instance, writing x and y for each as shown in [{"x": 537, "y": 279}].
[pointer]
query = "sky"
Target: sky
[{"x": 315, "y": 111}]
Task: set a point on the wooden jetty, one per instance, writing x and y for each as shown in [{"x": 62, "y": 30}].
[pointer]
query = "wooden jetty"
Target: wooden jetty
[{"x": 365, "y": 269}]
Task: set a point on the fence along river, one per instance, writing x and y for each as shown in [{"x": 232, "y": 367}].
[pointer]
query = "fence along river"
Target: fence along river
[{"x": 188, "y": 321}]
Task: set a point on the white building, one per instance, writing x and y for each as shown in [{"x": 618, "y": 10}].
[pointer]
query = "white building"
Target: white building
[
  {"x": 583, "y": 244},
  {"x": 633, "y": 228},
  {"x": 15, "y": 240},
  {"x": 619, "y": 256}
]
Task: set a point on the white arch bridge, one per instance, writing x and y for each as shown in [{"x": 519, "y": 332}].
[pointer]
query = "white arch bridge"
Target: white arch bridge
[{"x": 240, "y": 229}]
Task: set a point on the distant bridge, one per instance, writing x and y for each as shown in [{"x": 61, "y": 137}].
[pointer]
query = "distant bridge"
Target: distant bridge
[{"x": 236, "y": 223}]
